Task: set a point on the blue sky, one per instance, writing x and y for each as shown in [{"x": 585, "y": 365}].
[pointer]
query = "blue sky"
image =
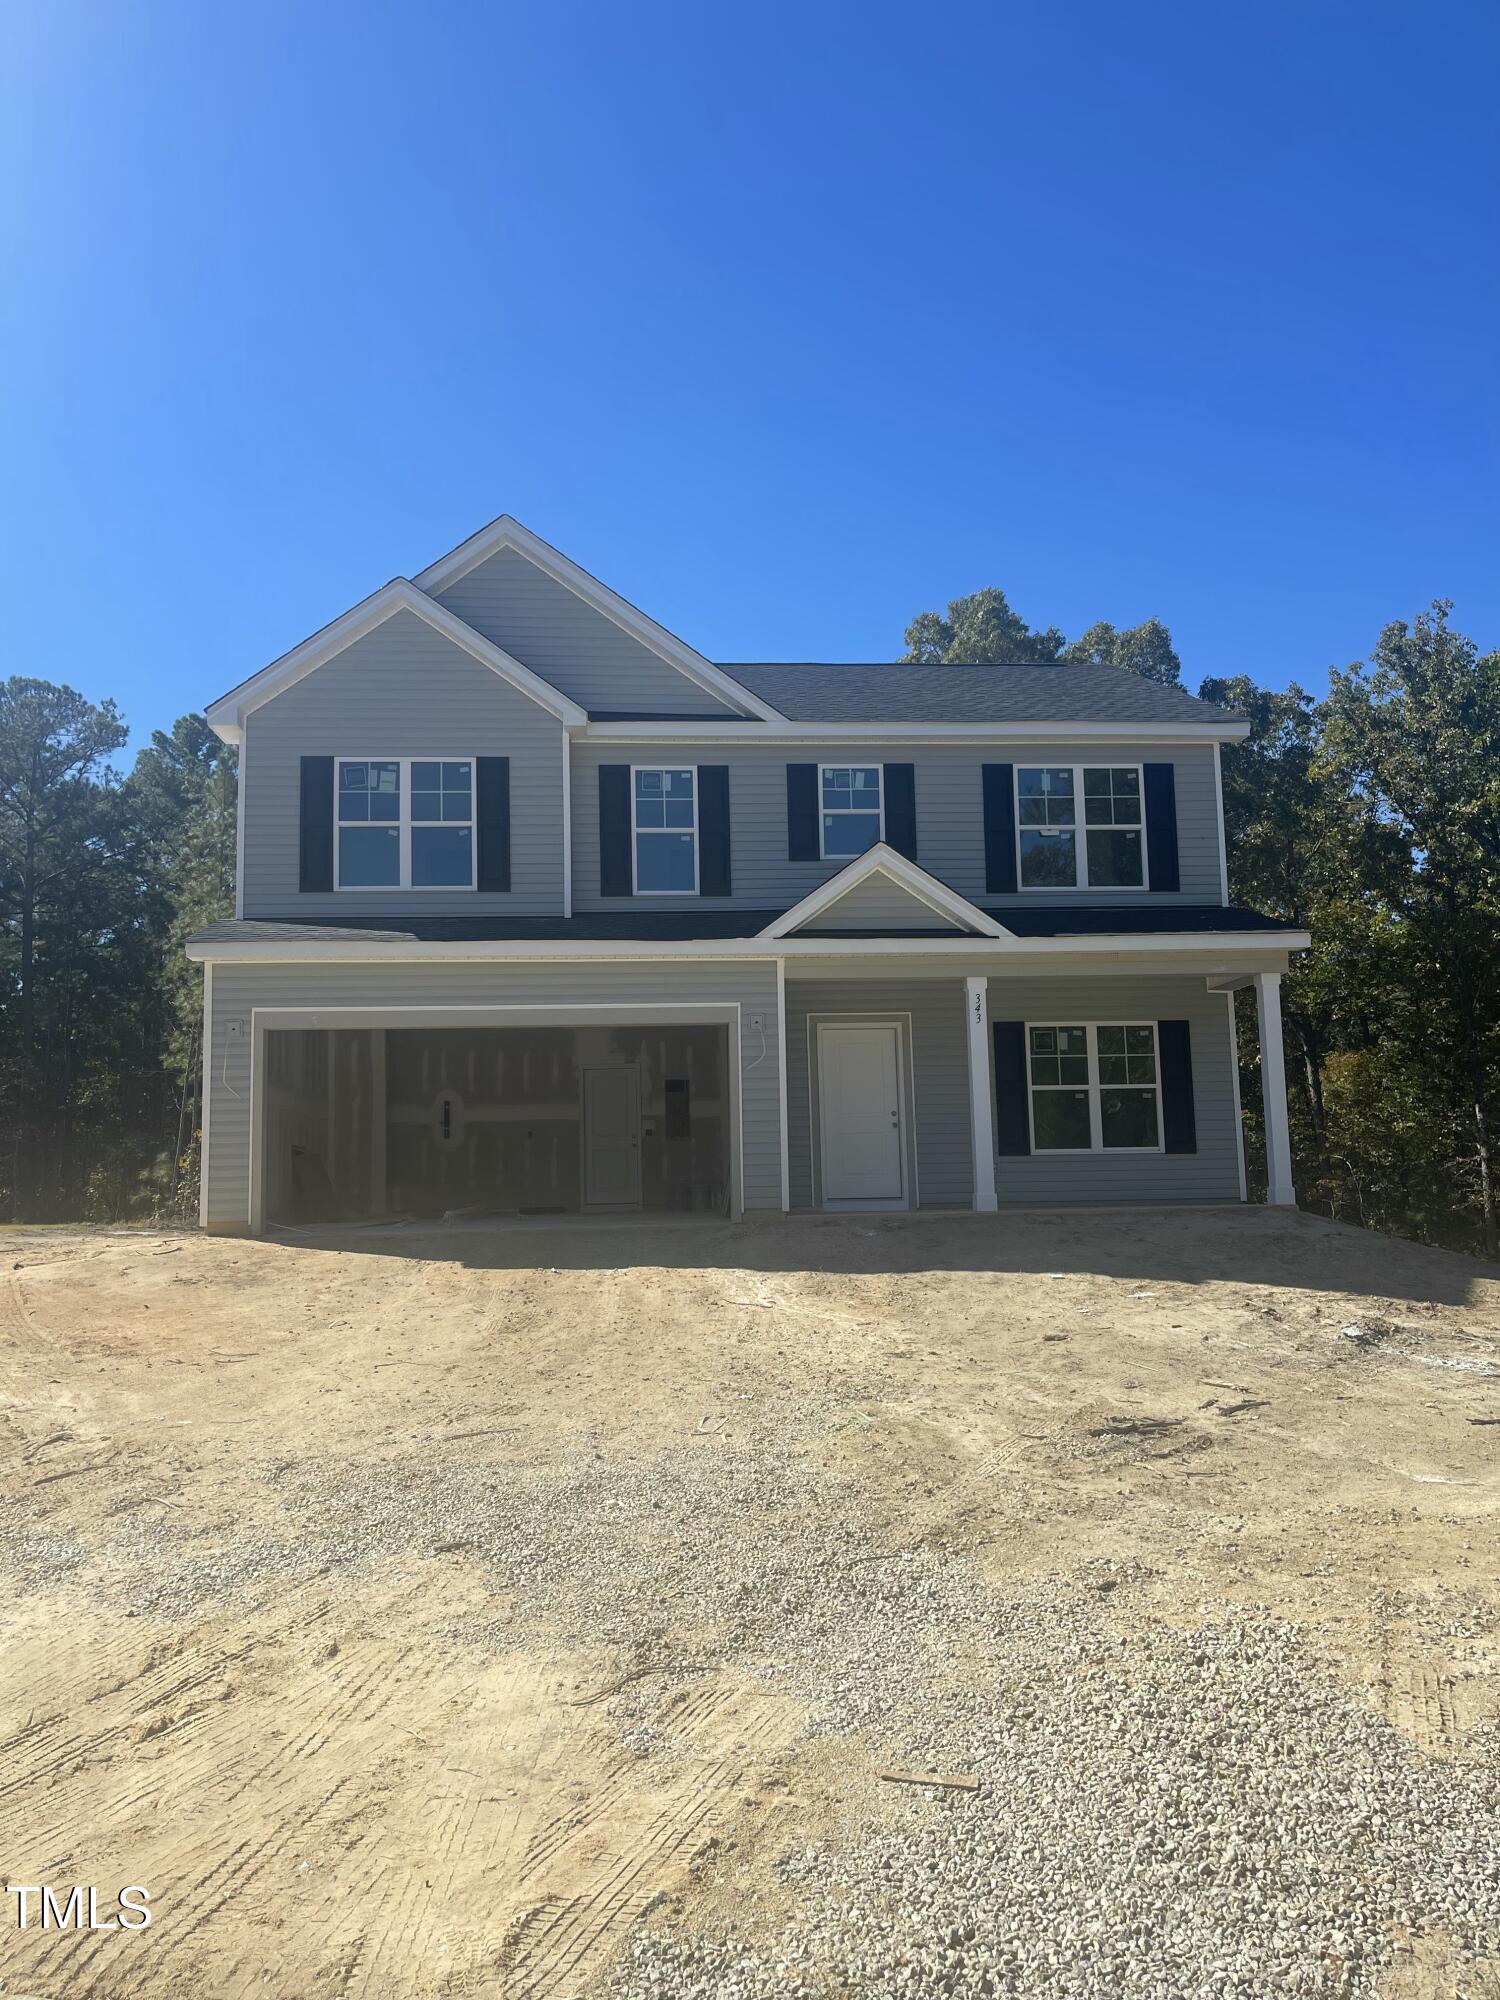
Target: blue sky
[{"x": 787, "y": 321}]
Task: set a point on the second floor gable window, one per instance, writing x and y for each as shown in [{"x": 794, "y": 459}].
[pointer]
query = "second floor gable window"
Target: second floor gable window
[
  {"x": 1111, "y": 852},
  {"x": 664, "y": 833},
  {"x": 404, "y": 823},
  {"x": 851, "y": 809}
]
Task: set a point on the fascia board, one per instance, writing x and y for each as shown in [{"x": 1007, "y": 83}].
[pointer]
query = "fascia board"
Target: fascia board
[{"x": 1202, "y": 944}]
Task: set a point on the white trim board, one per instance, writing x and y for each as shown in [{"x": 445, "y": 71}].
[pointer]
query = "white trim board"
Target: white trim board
[
  {"x": 505, "y": 532},
  {"x": 227, "y": 716},
  {"x": 707, "y": 1013},
  {"x": 904, "y": 874},
  {"x": 991, "y": 952}
]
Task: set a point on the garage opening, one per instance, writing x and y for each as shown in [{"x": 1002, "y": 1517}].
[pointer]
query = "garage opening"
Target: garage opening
[{"x": 362, "y": 1124}]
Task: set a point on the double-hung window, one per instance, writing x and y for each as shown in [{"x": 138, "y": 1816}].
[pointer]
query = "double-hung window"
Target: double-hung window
[
  {"x": 664, "y": 831},
  {"x": 1094, "y": 1088},
  {"x": 1058, "y": 803},
  {"x": 851, "y": 809},
  {"x": 404, "y": 823}
]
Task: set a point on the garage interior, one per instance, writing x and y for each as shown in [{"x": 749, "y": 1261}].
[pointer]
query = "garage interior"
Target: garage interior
[{"x": 369, "y": 1124}]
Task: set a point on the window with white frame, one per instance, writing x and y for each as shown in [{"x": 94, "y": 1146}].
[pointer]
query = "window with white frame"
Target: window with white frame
[
  {"x": 664, "y": 831},
  {"x": 849, "y": 795},
  {"x": 404, "y": 823},
  {"x": 1112, "y": 851},
  {"x": 1094, "y": 1088}
]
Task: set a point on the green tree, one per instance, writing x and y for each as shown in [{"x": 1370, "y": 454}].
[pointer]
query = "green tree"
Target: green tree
[
  {"x": 1291, "y": 855},
  {"x": 983, "y": 629},
  {"x": 182, "y": 795},
  {"x": 63, "y": 877},
  {"x": 980, "y": 628},
  {"x": 1413, "y": 736},
  {"x": 1144, "y": 649}
]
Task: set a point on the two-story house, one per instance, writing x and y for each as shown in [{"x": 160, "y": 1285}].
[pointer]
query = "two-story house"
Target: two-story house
[{"x": 540, "y": 911}]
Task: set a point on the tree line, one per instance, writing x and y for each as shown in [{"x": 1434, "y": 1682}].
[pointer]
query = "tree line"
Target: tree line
[
  {"x": 102, "y": 876},
  {"x": 1370, "y": 818}
]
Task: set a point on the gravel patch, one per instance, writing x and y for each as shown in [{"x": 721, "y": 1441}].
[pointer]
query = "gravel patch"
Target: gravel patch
[
  {"x": 1161, "y": 1814},
  {"x": 1174, "y": 1814}
]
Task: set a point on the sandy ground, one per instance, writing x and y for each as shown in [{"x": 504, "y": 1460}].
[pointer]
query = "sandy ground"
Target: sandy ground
[{"x": 259, "y": 1656}]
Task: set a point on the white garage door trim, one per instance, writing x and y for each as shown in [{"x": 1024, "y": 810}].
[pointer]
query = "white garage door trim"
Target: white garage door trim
[{"x": 267, "y": 1020}]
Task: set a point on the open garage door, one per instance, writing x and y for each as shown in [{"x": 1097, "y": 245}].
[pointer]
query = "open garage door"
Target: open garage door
[{"x": 362, "y": 1123}]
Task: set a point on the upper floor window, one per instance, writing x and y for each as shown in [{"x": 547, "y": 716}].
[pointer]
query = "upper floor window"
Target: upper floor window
[
  {"x": 1094, "y": 1089},
  {"x": 851, "y": 809},
  {"x": 404, "y": 823},
  {"x": 664, "y": 831},
  {"x": 1111, "y": 853}
]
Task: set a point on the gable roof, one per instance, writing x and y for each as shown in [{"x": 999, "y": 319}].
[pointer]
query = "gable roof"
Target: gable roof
[
  {"x": 906, "y": 875},
  {"x": 505, "y": 532},
  {"x": 226, "y": 716},
  {"x": 910, "y": 692}
]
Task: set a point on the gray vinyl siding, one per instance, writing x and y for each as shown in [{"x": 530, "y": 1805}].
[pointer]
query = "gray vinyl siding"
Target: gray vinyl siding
[
  {"x": 240, "y": 988},
  {"x": 950, "y": 815},
  {"x": 937, "y": 1052},
  {"x": 1210, "y": 1174},
  {"x": 541, "y": 623},
  {"x": 401, "y": 691},
  {"x": 880, "y": 904}
]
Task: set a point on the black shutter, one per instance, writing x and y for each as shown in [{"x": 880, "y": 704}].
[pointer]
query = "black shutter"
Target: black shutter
[
  {"x": 614, "y": 830},
  {"x": 492, "y": 818},
  {"x": 900, "y": 781},
  {"x": 802, "y": 812},
  {"x": 1175, "y": 1051},
  {"x": 315, "y": 851},
  {"x": 713, "y": 830},
  {"x": 1161, "y": 825},
  {"x": 1012, "y": 1128},
  {"x": 999, "y": 829}
]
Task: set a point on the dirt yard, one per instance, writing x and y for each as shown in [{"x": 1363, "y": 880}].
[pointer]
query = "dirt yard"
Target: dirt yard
[{"x": 532, "y": 1610}]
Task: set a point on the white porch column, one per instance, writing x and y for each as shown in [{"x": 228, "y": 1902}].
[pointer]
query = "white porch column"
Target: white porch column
[
  {"x": 1273, "y": 1091},
  {"x": 981, "y": 1117}
]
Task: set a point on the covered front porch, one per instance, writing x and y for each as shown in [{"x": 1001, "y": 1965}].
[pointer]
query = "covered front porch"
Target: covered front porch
[{"x": 1031, "y": 1085}]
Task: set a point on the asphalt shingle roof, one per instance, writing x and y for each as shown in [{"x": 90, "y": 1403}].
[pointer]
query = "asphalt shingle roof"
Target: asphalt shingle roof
[
  {"x": 901, "y": 692},
  {"x": 1029, "y": 920}
]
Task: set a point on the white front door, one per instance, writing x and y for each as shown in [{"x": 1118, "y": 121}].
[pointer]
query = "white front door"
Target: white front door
[
  {"x": 859, "y": 1105},
  {"x": 611, "y": 1138}
]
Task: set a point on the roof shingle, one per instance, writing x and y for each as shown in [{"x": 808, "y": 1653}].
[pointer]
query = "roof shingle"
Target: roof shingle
[{"x": 908, "y": 692}]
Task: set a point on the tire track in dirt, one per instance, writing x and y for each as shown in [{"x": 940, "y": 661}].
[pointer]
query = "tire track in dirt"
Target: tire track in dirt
[
  {"x": 598, "y": 1864},
  {"x": 1422, "y": 1702},
  {"x": 36, "y": 1754},
  {"x": 293, "y": 1784},
  {"x": 227, "y": 1764},
  {"x": 478, "y": 1791}
]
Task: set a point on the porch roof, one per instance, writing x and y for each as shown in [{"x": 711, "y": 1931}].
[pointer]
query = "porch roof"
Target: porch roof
[{"x": 1031, "y": 920}]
